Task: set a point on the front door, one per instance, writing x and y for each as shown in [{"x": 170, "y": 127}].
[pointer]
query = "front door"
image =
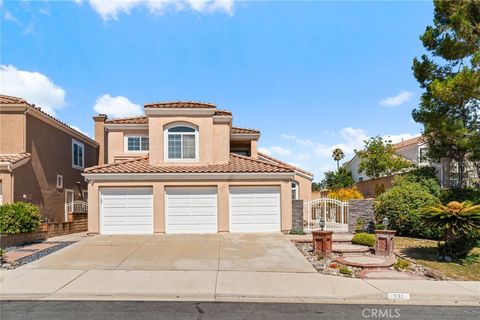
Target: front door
[{"x": 69, "y": 197}]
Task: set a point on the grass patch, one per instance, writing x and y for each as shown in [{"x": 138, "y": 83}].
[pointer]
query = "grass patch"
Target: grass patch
[
  {"x": 424, "y": 252},
  {"x": 364, "y": 239}
]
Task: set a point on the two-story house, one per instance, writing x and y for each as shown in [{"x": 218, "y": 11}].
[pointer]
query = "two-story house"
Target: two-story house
[
  {"x": 41, "y": 159},
  {"x": 183, "y": 168}
]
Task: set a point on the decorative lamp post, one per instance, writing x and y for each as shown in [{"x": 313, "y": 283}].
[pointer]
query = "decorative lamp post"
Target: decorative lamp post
[
  {"x": 321, "y": 223},
  {"x": 385, "y": 222}
]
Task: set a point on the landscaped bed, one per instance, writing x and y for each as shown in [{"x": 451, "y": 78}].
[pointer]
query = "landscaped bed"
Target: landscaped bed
[
  {"x": 424, "y": 253},
  {"x": 13, "y": 257}
]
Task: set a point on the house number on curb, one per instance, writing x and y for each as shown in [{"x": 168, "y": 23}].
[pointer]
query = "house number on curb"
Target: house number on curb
[{"x": 398, "y": 296}]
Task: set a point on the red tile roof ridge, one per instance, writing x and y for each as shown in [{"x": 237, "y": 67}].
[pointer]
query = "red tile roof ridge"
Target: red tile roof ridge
[{"x": 172, "y": 104}]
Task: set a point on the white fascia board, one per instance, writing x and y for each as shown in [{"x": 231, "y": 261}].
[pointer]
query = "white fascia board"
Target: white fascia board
[
  {"x": 306, "y": 176},
  {"x": 222, "y": 119},
  {"x": 186, "y": 176},
  {"x": 179, "y": 111}
]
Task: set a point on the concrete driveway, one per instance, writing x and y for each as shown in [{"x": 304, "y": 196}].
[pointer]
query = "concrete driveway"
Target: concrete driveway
[{"x": 206, "y": 252}]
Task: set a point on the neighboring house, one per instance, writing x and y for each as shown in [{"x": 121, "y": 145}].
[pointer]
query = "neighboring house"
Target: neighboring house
[
  {"x": 183, "y": 168},
  {"x": 41, "y": 159},
  {"x": 415, "y": 150}
]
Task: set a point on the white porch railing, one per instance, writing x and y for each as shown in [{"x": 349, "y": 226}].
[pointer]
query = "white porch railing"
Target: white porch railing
[
  {"x": 333, "y": 211},
  {"x": 77, "y": 206}
]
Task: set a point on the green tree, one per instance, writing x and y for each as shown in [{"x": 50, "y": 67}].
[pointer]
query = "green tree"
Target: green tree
[
  {"x": 334, "y": 180},
  {"x": 378, "y": 159},
  {"x": 450, "y": 77},
  {"x": 316, "y": 186},
  {"x": 338, "y": 155}
]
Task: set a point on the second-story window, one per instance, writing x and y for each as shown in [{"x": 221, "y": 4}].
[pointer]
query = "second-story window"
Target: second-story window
[
  {"x": 78, "y": 154},
  {"x": 182, "y": 143},
  {"x": 136, "y": 144}
]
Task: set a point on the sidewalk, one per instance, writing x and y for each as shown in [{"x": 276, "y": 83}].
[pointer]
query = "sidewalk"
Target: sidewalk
[{"x": 227, "y": 286}]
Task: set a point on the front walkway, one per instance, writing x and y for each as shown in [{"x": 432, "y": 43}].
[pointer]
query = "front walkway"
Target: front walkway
[{"x": 230, "y": 267}]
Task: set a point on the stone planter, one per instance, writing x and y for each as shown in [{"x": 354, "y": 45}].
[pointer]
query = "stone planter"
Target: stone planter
[
  {"x": 322, "y": 242},
  {"x": 384, "y": 244}
]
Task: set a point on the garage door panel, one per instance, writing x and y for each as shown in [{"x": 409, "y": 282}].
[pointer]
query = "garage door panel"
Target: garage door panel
[
  {"x": 191, "y": 210},
  {"x": 126, "y": 210},
  {"x": 254, "y": 209}
]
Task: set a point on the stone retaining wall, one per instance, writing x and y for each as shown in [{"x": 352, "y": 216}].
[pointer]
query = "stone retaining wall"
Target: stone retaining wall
[
  {"x": 297, "y": 215},
  {"x": 360, "y": 208},
  {"x": 79, "y": 223}
]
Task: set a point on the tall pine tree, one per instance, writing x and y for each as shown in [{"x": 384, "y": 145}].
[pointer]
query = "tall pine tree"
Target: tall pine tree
[{"x": 450, "y": 76}]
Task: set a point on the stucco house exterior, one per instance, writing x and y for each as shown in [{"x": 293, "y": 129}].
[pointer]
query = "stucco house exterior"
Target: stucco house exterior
[
  {"x": 41, "y": 159},
  {"x": 183, "y": 168}
]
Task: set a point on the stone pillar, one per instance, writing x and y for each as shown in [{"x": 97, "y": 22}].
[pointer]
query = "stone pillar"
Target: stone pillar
[
  {"x": 322, "y": 242},
  {"x": 360, "y": 209},
  {"x": 297, "y": 215},
  {"x": 384, "y": 243}
]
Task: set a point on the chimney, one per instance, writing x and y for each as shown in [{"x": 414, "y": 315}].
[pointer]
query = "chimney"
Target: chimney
[{"x": 101, "y": 137}]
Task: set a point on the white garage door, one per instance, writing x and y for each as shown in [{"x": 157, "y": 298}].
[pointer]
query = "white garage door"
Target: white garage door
[
  {"x": 126, "y": 211},
  {"x": 254, "y": 209},
  {"x": 191, "y": 210}
]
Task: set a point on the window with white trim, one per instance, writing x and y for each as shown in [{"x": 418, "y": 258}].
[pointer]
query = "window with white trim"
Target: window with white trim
[
  {"x": 294, "y": 190},
  {"x": 136, "y": 143},
  {"x": 59, "y": 181},
  {"x": 181, "y": 143},
  {"x": 78, "y": 154}
]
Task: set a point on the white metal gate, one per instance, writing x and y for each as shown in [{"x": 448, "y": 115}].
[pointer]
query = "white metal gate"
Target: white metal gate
[{"x": 333, "y": 211}]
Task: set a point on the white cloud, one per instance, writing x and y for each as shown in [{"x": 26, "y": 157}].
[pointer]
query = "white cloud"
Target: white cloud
[
  {"x": 116, "y": 107},
  {"x": 265, "y": 151},
  {"x": 79, "y": 130},
  {"x": 280, "y": 151},
  {"x": 303, "y": 142},
  {"x": 397, "y": 100},
  {"x": 8, "y": 16},
  {"x": 32, "y": 86},
  {"x": 353, "y": 139},
  {"x": 110, "y": 9}
]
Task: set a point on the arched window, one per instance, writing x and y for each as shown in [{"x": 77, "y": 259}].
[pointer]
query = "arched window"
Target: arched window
[{"x": 181, "y": 143}]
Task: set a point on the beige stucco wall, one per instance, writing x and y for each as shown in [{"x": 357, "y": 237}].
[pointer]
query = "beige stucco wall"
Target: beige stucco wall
[
  {"x": 116, "y": 145},
  {"x": 12, "y": 132},
  {"x": 213, "y": 140},
  {"x": 304, "y": 192},
  {"x": 159, "y": 201},
  {"x": 6, "y": 180}
]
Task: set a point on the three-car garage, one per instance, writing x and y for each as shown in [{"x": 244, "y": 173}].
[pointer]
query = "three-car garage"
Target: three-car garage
[{"x": 190, "y": 210}]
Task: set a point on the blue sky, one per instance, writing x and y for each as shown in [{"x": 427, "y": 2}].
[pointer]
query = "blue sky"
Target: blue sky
[{"x": 310, "y": 75}]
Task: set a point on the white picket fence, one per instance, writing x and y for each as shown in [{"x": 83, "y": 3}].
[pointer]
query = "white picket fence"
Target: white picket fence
[{"x": 333, "y": 211}]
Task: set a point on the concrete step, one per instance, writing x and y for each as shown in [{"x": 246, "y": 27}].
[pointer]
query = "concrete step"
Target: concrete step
[
  {"x": 367, "y": 262},
  {"x": 345, "y": 248}
]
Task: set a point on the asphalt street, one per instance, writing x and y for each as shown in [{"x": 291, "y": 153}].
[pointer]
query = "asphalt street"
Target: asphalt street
[{"x": 119, "y": 310}]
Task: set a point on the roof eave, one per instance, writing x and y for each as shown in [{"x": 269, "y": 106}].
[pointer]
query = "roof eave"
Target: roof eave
[{"x": 189, "y": 176}]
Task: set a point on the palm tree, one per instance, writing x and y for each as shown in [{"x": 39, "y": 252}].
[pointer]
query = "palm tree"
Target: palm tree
[
  {"x": 457, "y": 219},
  {"x": 338, "y": 155}
]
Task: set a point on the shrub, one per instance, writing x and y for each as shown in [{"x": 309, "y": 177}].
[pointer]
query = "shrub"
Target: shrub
[
  {"x": 18, "y": 217},
  {"x": 461, "y": 247},
  {"x": 360, "y": 225},
  {"x": 297, "y": 231},
  {"x": 402, "y": 264},
  {"x": 346, "y": 194},
  {"x": 461, "y": 194},
  {"x": 401, "y": 204},
  {"x": 364, "y": 239},
  {"x": 425, "y": 176},
  {"x": 345, "y": 270}
]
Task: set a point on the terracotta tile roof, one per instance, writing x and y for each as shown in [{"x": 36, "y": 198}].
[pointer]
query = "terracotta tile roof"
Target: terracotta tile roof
[
  {"x": 222, "y": 113},
  {"x": 409, "y": 142},
  {"x": 144, "y": 119},
  {"x": 4, "y": 99},
  {"x": 270, "y": 159},
  {"x": 180, "y": 104},
  {"x": 129, "y": 120},
  {"x": 237, "y": 164},
  {"x": 238, "y": 130},
  {"x": 13, "y": 157}
]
